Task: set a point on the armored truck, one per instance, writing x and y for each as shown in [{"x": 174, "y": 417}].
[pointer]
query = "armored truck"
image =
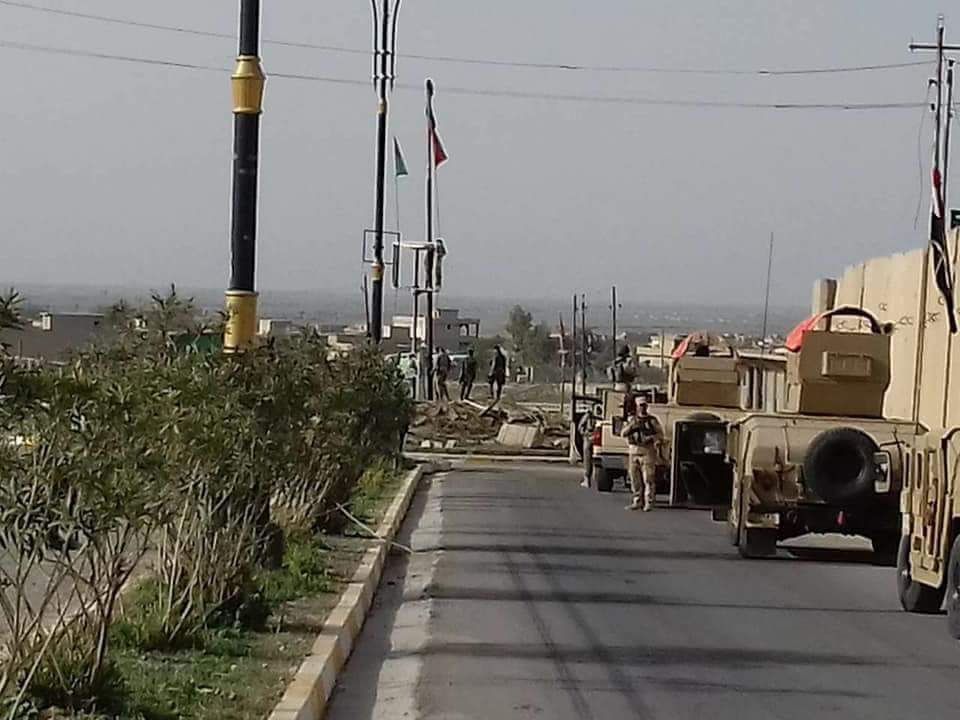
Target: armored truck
[
  {"x": 928, "y": 559},
  {"x": 829, "y": 462},
  {"x": 704, "y": 394}
]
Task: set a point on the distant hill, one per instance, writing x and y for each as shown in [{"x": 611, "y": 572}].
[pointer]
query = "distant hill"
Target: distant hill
[{"x": 346, "y": 308}]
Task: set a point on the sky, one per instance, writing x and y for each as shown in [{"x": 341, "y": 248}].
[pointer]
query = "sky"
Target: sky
[{"x": 118, "y": 173}]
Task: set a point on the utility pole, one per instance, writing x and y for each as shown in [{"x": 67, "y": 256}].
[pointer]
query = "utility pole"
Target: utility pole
[
  {"x": 766, "y": 301},
  {"x": 573, "y": 384},
  {"x": 613, "y": 310},
  {"x": 583, "y": 331},
  {"x": 563, "y": 366},
  {"x": 430, "y": 240},
  {"x": 946, "y": 216},
  {"x": 248, "y": 83},
  {"x": 385, "y": 14},
  {"x": 939, "y": 47}
]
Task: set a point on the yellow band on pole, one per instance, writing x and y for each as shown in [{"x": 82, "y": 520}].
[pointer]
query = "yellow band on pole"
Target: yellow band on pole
[
  {"x": 376, "y": 271},
  {"x": 248, "y": 83},
  {"x": 241, "y": 320}
]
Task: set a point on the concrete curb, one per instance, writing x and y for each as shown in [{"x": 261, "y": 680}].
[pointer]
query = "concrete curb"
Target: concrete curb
[
  {"x": 478, "y": 458},
  {"x": 307, "y": 695}
]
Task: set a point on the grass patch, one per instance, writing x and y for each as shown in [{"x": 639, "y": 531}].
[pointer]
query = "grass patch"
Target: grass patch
[
  {"x": 306, "y": 571},
  {"x": 238, "y": 672},
  {"x": 375, "y": 491}
]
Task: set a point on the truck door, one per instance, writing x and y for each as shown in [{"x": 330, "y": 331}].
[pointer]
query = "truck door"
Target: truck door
[
  {"x": 699, "y": 470},
  {"x": 928, "y": 508}
]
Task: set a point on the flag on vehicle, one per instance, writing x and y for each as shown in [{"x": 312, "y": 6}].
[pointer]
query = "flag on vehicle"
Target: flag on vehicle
[
  {"x": 399, "y": 164},
  {"x": 941, "y": 255}
]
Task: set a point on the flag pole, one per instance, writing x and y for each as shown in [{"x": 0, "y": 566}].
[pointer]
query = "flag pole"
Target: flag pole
[
  {"x": 922, "y": 313},
  {"x": 396, "y": 196},
  {"x": 766, "y": 300},
  {"x": 429, "y": 237}
]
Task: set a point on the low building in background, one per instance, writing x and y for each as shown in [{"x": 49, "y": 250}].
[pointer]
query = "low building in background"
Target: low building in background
[
  {"x": 450, "y": 331},
  {"x": 276, "y": 328},
  {"x": 53, "y": 337}
]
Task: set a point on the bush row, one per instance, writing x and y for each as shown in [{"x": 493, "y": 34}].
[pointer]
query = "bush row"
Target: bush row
[{"x": 141, "y": 453}]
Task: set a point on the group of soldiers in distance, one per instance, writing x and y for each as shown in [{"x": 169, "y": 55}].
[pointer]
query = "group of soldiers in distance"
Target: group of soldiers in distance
[
  {"x": 642, "y": 431},
  {"x": 411, "y": 368}
]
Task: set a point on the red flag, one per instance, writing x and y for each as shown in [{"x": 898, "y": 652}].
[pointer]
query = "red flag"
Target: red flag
[{"x": 439, "y": 152}]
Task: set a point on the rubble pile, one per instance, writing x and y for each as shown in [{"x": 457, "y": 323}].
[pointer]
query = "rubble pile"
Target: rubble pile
[
  {"x": 462, "y": 423},
  {"x": 469, "y": 424}
]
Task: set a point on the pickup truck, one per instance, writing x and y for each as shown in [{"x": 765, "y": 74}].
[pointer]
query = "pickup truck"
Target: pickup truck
[{"x": 609, "y": 449}]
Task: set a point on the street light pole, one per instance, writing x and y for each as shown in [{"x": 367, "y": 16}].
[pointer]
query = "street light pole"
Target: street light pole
[
  {"x": 384, "y": 66},
  {"x": 248, "y": 83}
]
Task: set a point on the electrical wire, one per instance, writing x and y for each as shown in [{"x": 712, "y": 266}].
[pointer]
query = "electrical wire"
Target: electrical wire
[
  {"x": 578, "y": 67},
  {"x": 479, "y": 92}
]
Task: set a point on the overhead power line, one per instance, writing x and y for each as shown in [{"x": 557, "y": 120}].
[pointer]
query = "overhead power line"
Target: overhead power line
[
  {"x": 756, "y": 72},
  {"x": 448, "y": 90}
]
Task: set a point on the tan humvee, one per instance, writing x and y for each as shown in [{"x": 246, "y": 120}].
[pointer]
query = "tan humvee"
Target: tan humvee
[
  {"x": 830, "y": 462},
  {"x": 928, "y": 561},
  {"x": 704, "y": 394}
]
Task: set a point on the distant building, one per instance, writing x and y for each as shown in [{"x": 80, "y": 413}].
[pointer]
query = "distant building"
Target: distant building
[
  {"x": 450, "y": 331},
  {"x": 271, "y": 327},
  {"x": 657, "y": 353},
  {"x": 52, "y": 337}
]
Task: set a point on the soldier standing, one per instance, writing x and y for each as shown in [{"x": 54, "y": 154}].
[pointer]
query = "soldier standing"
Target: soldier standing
[
  {"x": 468, "y": 374},
  {"x": 408, "y": 368},
  {"x": 441, "y": 372},
  {"x": 644, "y": 434},
  {"x": 498, "y": 372},
  {"x": 586, "y": 427}
]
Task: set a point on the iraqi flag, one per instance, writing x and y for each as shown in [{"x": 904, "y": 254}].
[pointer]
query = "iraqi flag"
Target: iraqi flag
[{"x": 941, "y": 254}]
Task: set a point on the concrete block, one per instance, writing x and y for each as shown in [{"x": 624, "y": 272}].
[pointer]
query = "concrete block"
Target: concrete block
[{"x": 522, "y": 436}]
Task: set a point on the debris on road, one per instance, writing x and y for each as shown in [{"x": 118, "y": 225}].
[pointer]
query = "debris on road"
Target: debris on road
[{"x": 466, "y": 424}]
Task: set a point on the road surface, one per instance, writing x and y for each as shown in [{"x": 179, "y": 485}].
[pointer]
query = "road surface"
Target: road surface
[{"x": 529, "y": 597}]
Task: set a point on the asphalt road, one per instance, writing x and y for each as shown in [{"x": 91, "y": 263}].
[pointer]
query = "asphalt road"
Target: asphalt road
[{"x": 529, "y": 597}]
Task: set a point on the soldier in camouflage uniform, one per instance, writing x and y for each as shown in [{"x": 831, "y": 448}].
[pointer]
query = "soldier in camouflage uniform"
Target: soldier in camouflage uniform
[{"x": 644, "y": 434}]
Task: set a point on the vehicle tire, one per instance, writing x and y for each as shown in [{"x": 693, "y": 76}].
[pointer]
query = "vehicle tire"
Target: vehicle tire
[
  {"x": 915, "y": 597},
  {"x": 953, "y": 590},
  {"x": 758, "y": 542},
  {"x": 603, "y": 478},
  {"x": 886, "y": 545},
  {"x": 839, "y": 465}
]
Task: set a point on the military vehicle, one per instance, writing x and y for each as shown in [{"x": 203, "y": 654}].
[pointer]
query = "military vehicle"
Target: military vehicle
[
  {"x": 829, "y": 462},
  {"x": 704, "y": 394},
  {"x": 928, "y": 559},
  {"x": 609, "y": 449}
]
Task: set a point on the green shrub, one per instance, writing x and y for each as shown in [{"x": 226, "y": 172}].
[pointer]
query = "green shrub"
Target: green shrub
[{"x": 203, "y": 460}]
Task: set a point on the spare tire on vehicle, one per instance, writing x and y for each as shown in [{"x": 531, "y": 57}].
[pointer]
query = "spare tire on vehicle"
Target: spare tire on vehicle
[{"x": 839, "y": 465}]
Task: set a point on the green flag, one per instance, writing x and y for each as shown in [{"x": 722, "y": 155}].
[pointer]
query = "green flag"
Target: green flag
[{"x": 399, "y": 165}]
